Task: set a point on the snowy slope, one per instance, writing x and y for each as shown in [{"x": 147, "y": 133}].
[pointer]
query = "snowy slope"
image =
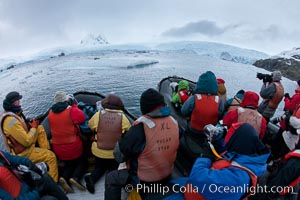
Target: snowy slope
[
  {"x": 91, "y": 43},
  {"x": 289, "y": 54}
]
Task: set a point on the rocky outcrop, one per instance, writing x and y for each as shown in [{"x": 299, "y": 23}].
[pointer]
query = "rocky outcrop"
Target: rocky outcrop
[{"x": 288, "y": 65}]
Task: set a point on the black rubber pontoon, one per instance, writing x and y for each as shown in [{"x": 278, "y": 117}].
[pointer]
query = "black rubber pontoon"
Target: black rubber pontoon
[{"x": 166, "y": 88}]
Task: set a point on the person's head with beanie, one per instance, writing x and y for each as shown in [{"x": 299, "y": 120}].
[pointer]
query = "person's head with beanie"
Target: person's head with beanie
[
  {"x": 250, "y": 100},
  {"x": 242, "y": 138},
  {"x": 150, "y": 100},
  {"x": 276, "y": 76},
  {"x": 113, "y": 102},
  {"x": 221, "y": 86},
  {"x": 207, "y": 84},
  {"x": 240, "y": 94},
  {"x": 10, "y": 99},
  {"x": 183, "y": 84},
  {"x": 60, "y": 96}
]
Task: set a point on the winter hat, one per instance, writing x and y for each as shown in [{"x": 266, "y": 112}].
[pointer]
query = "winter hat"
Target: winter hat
[
  {"x": 276, "y": 76},
  {"x": 183, "y": 84},
  {"x": 112, "y": 101},
  {"x": 220, "y": 81},
  {"x": 250, "y": 99},
  {"x": 242, "y": 138},
  {"x": 207, "y": 84},
  {"x": 60, "y": 96},
  {"x": 12, "y": 97},
  {"x": 241, "y": 92},
  {"x": 150, "y": 99}
]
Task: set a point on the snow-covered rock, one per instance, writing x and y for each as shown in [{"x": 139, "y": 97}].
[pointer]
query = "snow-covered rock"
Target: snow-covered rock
[{"x": 91, "y": 40}]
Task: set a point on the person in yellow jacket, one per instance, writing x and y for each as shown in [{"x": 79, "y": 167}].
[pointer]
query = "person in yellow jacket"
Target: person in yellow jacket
[
  {"x": 109, "y": 125},
  {"x": 20, "y": 136}
]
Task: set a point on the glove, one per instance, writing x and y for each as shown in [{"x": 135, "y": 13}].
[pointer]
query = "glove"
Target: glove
[
  {"x": 287, "y": 95},
  {"x": 275, "y": 120},
  {"x": 34, "y": 123},
  {"x": 34, "y": 168},
  {"x": 206, "y": 151}
]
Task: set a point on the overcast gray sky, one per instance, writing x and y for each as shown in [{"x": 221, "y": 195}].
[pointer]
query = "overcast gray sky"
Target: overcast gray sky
[{"x": 27, "y": 26}]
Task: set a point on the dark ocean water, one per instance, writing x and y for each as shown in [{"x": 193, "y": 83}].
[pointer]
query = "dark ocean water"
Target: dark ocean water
[{"x": 126, "y": 73}]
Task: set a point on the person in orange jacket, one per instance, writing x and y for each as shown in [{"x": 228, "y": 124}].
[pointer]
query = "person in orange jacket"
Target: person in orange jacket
[{"x": 64, "y": 121}]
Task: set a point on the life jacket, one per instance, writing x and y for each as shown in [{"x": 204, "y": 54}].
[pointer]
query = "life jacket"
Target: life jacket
[
  {"x": 9, "y": 181},
  {"x": 12, "y": 145},
  {"x": 109, "y": 129},
  {"x": 278, "y": 96},
  {"x": 183, "y": 96},
  {"x": 191, "y": 194},
  {"x": 235, "y": 103},
  {"x": 205, "y": 111},
  {"x": 293, "y": 154},
  {"x": 156, "y": 161},
  {"x": 250, "y": 116},
  {"x": 63, "y": 130}
]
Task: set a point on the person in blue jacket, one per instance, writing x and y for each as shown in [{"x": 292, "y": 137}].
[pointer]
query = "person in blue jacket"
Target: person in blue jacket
[
  {"x": 11, "y": 187},
  {"x": 232, "y": 177},
  {"x": 15, "y": 183}
]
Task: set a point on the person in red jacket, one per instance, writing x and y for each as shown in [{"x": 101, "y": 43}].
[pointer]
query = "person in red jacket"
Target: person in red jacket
[
  {"x": 247, "y": 113},
  {"x": 291, "y": 103},
  {"x": 64, "y": 121}
]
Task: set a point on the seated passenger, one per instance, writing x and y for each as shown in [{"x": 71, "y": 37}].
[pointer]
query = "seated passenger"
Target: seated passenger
[
  {"x": 230, "y": 177},
  {"x": 283, "y": 180},
  {"x": 149, "y": 148},
  {"x": 287, "y": 139},
  {"x": 247, "y": 112},
  {"x": 64, "y": 121},
  {"x": 222, "y": 91},
  {"x": 205, "y": 106},
  {"x": 21, "y": 137},
  {"x": 17, "y": 183},
  {"x": 291, "y": 103},
  {"x": 109, "y": 125},
  {"x": 181, "y": 95},
  {"x": 234, "y": 103}
]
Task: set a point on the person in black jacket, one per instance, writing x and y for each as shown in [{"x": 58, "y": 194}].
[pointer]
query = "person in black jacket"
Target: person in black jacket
[{"x": 149, "y": 148}]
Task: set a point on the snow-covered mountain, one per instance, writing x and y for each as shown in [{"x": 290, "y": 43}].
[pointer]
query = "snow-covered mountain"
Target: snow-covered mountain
[
  {"x": 91, "y": 40},
  {"x": 290, "y": 54},
  {"x": 288, "y": 62}
]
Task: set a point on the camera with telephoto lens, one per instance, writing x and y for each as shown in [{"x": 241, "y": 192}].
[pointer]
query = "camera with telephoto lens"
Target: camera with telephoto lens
[{"x": 267, "y": 78}]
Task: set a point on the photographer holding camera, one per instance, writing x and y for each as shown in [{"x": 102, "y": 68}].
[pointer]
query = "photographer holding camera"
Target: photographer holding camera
[
  {"x": 272, "y": 92},
  {"x": 20, "y": 138}
]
